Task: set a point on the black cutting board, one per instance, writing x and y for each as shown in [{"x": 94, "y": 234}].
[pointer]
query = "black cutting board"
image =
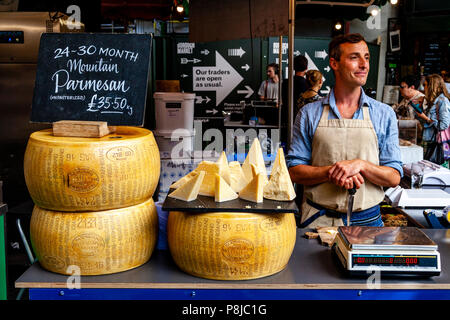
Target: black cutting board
[{"x": 207, "y": 204}]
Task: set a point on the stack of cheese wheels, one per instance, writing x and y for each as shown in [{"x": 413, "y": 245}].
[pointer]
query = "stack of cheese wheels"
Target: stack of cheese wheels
[
  {"x": 231, "y": 245},
  {"x": 93, "y": 200}
]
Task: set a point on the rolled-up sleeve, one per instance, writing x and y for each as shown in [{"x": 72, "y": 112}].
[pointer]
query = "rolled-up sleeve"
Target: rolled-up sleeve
[
  {"x": 300, "y": 150},
  {"x": 390, "y": 155}
]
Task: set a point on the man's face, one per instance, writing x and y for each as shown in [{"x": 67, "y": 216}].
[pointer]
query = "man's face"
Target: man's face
[
  {"x": 270, "y": 72},
  {"x": 353, "y": 67}
]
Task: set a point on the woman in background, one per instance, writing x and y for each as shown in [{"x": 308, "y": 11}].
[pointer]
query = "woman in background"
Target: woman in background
[
  {"x": 438, "y": 101},
  {"x": 314, "y": 80}
]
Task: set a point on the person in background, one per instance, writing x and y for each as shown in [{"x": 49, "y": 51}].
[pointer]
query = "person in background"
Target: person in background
[
  {"x": 346, "y": 140},
  {"x": 446, "y": 76},
  {"x": 314, "y": 80},
  {"x": 438, "y": 101},
  {"x": 408, "y": 90},
  {"x": 300, "y": 83},
  {"x": 269, "y": 88}
]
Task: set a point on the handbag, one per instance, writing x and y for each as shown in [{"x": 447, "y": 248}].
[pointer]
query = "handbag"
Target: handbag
[
  {"x": 444, "y": 139},
  {"x": 435, "y": 151}
]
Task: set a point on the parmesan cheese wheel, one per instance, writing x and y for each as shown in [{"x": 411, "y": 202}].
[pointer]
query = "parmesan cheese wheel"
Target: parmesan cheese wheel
[
  {"x": 98, "y": 243},
  {"x": 231, "y": 245},
  {"x": 91, "y": 174}
]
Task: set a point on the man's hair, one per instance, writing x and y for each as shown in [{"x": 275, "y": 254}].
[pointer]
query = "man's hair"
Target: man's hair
[
  {"x": 411, "y": 81},
  {"x": 300, "y": 63},
  {"x": 334, "y": 47}
]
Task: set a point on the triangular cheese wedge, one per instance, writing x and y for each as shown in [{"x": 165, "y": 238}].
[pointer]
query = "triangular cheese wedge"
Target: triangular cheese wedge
[
  {"x": 183, "y": 180},
  {"x": 223, "y": 190},
  {"x": 238, "y": 179},
  {"x": 255, "y": 157},
  {"x": 279, "y": 159},
  {"x": 224, "y": 169},
  {"x": 280, "y": 186},
  {"x": 254, "y": 190},
  {"x": 190, "y": 189},
  {"x": 209, "y": 182}
]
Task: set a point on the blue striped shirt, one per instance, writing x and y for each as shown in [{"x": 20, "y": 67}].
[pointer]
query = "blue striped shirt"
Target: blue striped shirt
[{"x": 383, "y": 119}]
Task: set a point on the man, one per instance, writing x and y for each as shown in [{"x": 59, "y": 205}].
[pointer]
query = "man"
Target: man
[
  {"x": 345, "y": 140},
  {"x": 269, "y": 88},
  {"x": 411, "y": 96},
  {"x": 300, "y": 84}
]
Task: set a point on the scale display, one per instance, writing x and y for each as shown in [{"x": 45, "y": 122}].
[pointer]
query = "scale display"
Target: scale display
[
  {"x": 407, "y": 261},
  {"x": 392, "y": 250}
]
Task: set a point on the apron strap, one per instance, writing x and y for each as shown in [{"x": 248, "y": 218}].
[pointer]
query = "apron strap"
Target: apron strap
[{"x": 370, "y": 215}]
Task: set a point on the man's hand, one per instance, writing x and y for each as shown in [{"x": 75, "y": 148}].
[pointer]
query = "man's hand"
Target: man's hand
[
  {"x": 354, "y": 181},
  {"x": 341, "y": 171}
]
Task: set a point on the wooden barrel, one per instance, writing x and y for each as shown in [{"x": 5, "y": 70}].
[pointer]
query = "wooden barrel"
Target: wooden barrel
[
  {"x": 97, "y": 243},
  {"x": 91, "y": 174},
  {"x": 230, "y": 245}
]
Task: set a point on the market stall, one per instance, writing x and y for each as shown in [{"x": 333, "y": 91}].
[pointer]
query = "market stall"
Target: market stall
[{"x": 312, "y": 273}]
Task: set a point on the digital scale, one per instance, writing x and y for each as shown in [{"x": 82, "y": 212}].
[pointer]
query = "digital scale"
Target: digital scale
[{"x": 391, "y": 250}]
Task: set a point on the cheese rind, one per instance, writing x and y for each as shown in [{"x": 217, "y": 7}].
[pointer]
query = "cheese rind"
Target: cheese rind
[
  {"x": 238, "y": 179},
  {"x": 254, "y": 190},
  {"x": 223, "y": 190},
  {"x": 189, "y": 190},
  {"x": 98, "y": 242},
  {"x": 255, "y": 157},
  {"x": 248, "y": 246},
  {"x": 280, "y": 186},
  {"x": 76, "y": 174}
]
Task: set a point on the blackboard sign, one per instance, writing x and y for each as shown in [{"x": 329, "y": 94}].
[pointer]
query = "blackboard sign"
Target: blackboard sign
[{"x": 97, "y": 77}]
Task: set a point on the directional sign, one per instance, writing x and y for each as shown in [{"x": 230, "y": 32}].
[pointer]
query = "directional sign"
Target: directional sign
[
  {"x": 246, "y": 67},
  {"x": 321, "y": 54},
  {"x": 248, "y": 91},
  {"x": 221, "y": 78},
  {"x": 236, "y": 52},
  {"x": 221, "y": 74}
]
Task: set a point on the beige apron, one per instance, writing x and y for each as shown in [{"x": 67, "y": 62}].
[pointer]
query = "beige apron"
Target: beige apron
[{"x": 336, "y": 140}]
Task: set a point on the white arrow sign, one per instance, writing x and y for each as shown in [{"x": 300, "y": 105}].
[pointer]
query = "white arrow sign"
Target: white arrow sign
[
  {"x": 296, "y": 53},
  {"x": 200, "y": 99},
  {"x": 248, "y": 91},
  {"x": 277, "y": 60},
  {"x": 312, "y": 65},
  {"x": 236, "y": 52},
  {"x": 205, "y": 52},
  {"x": 320, "y": 54},
  {"x": 184, "y": 75},
  {"x": 222, "y": 78},
  {"x": 246, "y": 67},
  {"x": 213, "y": 111},
  {"x": 186, "y": 60},
  {"x": 327, "y": 69},
  {"x": 325, "y": 91}
]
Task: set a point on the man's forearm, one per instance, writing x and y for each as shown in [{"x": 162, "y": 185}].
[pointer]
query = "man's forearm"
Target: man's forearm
[
  {"x": 380, "y": 175},
  {"x": 309, "y": 175}
]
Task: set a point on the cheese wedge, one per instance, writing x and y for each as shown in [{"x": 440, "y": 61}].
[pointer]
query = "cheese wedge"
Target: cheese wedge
[
  {"x": 238, "y": 179},
  {"x": 255, "y": 157},
  {"x": 210, "y": 168},
  {"x": 223, "y": 190},
  {"x": 190, "y": 189},
  {"x": 254, "y": 190},
  {"x": 225, "y": 170},
  {"x": 183, "y": 180},
  {"x": 280, "y": 186}
]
